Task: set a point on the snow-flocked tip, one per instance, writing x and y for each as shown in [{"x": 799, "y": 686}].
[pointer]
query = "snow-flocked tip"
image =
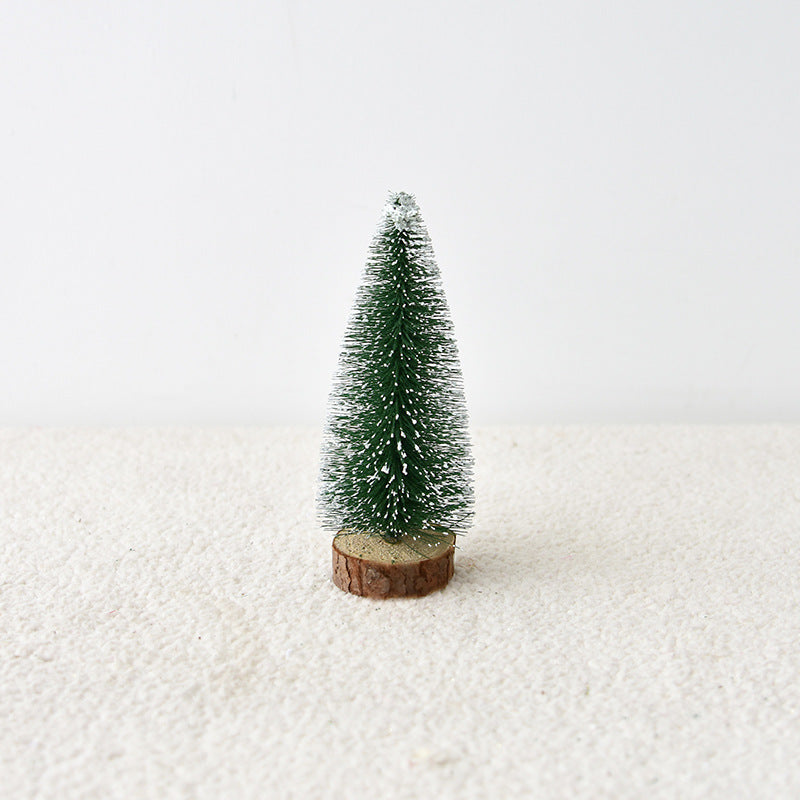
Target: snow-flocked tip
[{"x": 402, "y": 210}]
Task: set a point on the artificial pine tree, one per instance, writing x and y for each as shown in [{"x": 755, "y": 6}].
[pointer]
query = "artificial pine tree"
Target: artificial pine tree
[{"x": 396, "y": 467}]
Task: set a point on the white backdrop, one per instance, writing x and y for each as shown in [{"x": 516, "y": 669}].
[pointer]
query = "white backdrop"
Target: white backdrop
[{"x": 189, "y": 190}]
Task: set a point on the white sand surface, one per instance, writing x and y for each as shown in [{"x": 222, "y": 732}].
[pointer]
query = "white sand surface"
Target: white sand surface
[{"x": 624, "y": 622}]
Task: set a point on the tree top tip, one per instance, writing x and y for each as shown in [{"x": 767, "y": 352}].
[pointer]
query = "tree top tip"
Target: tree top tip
[{"x": 402, "y": 210}]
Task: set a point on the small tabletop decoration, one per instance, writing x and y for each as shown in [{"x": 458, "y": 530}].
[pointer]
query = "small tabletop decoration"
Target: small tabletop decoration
[{"x": 396, "y": 466}]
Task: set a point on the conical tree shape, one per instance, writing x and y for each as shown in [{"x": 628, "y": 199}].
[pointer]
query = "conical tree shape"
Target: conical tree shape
[{"x": 396, "y": 457}]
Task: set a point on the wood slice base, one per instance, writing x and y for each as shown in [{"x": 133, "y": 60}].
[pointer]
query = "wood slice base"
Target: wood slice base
[{"x": 369, "y": 566}]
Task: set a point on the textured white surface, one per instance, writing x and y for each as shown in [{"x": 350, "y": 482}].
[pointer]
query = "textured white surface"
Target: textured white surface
[{"x": 623, "y": 622}]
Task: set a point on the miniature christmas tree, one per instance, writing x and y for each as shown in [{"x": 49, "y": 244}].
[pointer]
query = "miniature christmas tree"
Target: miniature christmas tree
[{"x": 396, "y": 465}]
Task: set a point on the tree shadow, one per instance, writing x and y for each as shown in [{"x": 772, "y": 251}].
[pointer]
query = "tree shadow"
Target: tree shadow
[{"x": 519, "y": 556}]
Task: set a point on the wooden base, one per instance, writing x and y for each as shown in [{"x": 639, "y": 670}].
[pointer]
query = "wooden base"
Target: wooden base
[{"x": 371, "y": 567}]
